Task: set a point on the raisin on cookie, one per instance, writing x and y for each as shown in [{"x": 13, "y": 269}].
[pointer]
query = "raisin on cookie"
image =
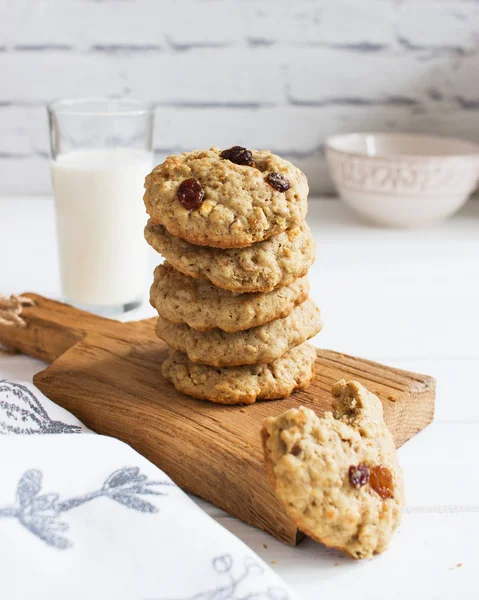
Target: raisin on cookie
[
  {"x": 204, "y": 306},
  {"x": 338, "y": 476},
  {"x": 242, "y": 385},
  {"x": 259, "y": 345},
  {"x": 275, "y": 262},
  {"x": 226, "y": 199}
]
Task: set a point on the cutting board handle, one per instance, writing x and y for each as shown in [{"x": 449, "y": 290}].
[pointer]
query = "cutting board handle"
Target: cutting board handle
[{"x": 51, "y": 328}]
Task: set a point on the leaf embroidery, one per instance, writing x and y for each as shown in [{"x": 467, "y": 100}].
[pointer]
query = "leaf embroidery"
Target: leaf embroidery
[
  {"x": 124, "y": 476},
  {"x": 28, "y": 487},
  {"x": 40, "y": 513},
  {"x": 22, "y": 413},
  {"x": 134, "y": 503}
]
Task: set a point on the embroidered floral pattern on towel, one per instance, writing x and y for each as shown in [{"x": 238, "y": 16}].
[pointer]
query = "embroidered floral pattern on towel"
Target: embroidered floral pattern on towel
[
  {"x": 231, "y": 580},
  {"x": 22, "y": 412},
  {"x": 40, "y": 513}
]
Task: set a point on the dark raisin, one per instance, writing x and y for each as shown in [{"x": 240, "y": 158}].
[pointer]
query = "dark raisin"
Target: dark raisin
[
  {"x": 295, "y": 450},
  {"x": 278, "y": 182},
  {"x": 238, "y": 155},
  {"x": 382, "y": 481},
  {"x": 358, "y": 475},
  {"x": 190, "y": 193}
]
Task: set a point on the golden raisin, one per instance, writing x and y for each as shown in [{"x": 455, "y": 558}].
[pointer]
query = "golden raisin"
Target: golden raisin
[{"x": 381, "y": 481}]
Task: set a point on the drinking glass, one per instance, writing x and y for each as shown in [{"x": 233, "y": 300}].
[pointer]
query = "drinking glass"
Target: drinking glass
[{"x": 101, "y": 152}]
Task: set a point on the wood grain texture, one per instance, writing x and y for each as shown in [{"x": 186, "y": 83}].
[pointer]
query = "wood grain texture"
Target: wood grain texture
[{"x": 109, "y": 375}]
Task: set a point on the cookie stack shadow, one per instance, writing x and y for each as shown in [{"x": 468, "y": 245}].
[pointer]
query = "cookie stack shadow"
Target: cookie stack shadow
[{"x": 233, "y": 294}]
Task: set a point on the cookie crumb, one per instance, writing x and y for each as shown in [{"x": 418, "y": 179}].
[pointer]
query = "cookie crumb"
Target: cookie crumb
[
  {"x": 243, "y": 410},
  {"x": 392, "y": 398},
  {"x": 459, "y": 564},
  {"x": 273, "y": 562},
  {"x": 336, "y": 564},
  {"x": 265, "y": 546}
]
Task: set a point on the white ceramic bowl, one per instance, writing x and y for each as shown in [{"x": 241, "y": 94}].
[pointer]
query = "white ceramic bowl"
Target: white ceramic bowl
[{"x": 403, "y": 180}]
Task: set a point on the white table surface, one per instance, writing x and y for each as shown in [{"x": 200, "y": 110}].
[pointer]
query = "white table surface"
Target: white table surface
[{"x": 406, "y": 298}]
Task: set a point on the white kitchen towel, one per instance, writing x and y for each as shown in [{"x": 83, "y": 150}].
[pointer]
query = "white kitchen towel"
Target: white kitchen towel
[{"x": 85, "y": 516}]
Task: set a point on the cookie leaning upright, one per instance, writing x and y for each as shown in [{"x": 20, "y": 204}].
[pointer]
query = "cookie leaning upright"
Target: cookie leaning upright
[
  {"x": 249, "y": 195},
  {"x": 338, "y": 476}
]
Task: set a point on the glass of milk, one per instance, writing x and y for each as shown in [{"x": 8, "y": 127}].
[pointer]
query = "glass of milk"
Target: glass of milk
[{"x": 101, "y": 153}]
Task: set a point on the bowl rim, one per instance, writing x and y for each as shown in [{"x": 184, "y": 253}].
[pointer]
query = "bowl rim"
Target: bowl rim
[{"x": 329, "y": 145}]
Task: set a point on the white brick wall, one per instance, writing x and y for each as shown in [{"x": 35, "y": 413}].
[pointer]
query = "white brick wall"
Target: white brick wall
[{"x": 283, "y": 74}]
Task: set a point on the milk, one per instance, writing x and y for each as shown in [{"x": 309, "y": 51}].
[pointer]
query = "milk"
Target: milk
[{"x": 100, "y": 221}]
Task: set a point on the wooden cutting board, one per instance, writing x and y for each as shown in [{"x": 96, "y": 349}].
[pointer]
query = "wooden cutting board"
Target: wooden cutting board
[{"x": 108, "y": 374}]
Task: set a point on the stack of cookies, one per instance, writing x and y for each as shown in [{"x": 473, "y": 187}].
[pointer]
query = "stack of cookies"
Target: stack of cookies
[{"x": 232, "y": 296}]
